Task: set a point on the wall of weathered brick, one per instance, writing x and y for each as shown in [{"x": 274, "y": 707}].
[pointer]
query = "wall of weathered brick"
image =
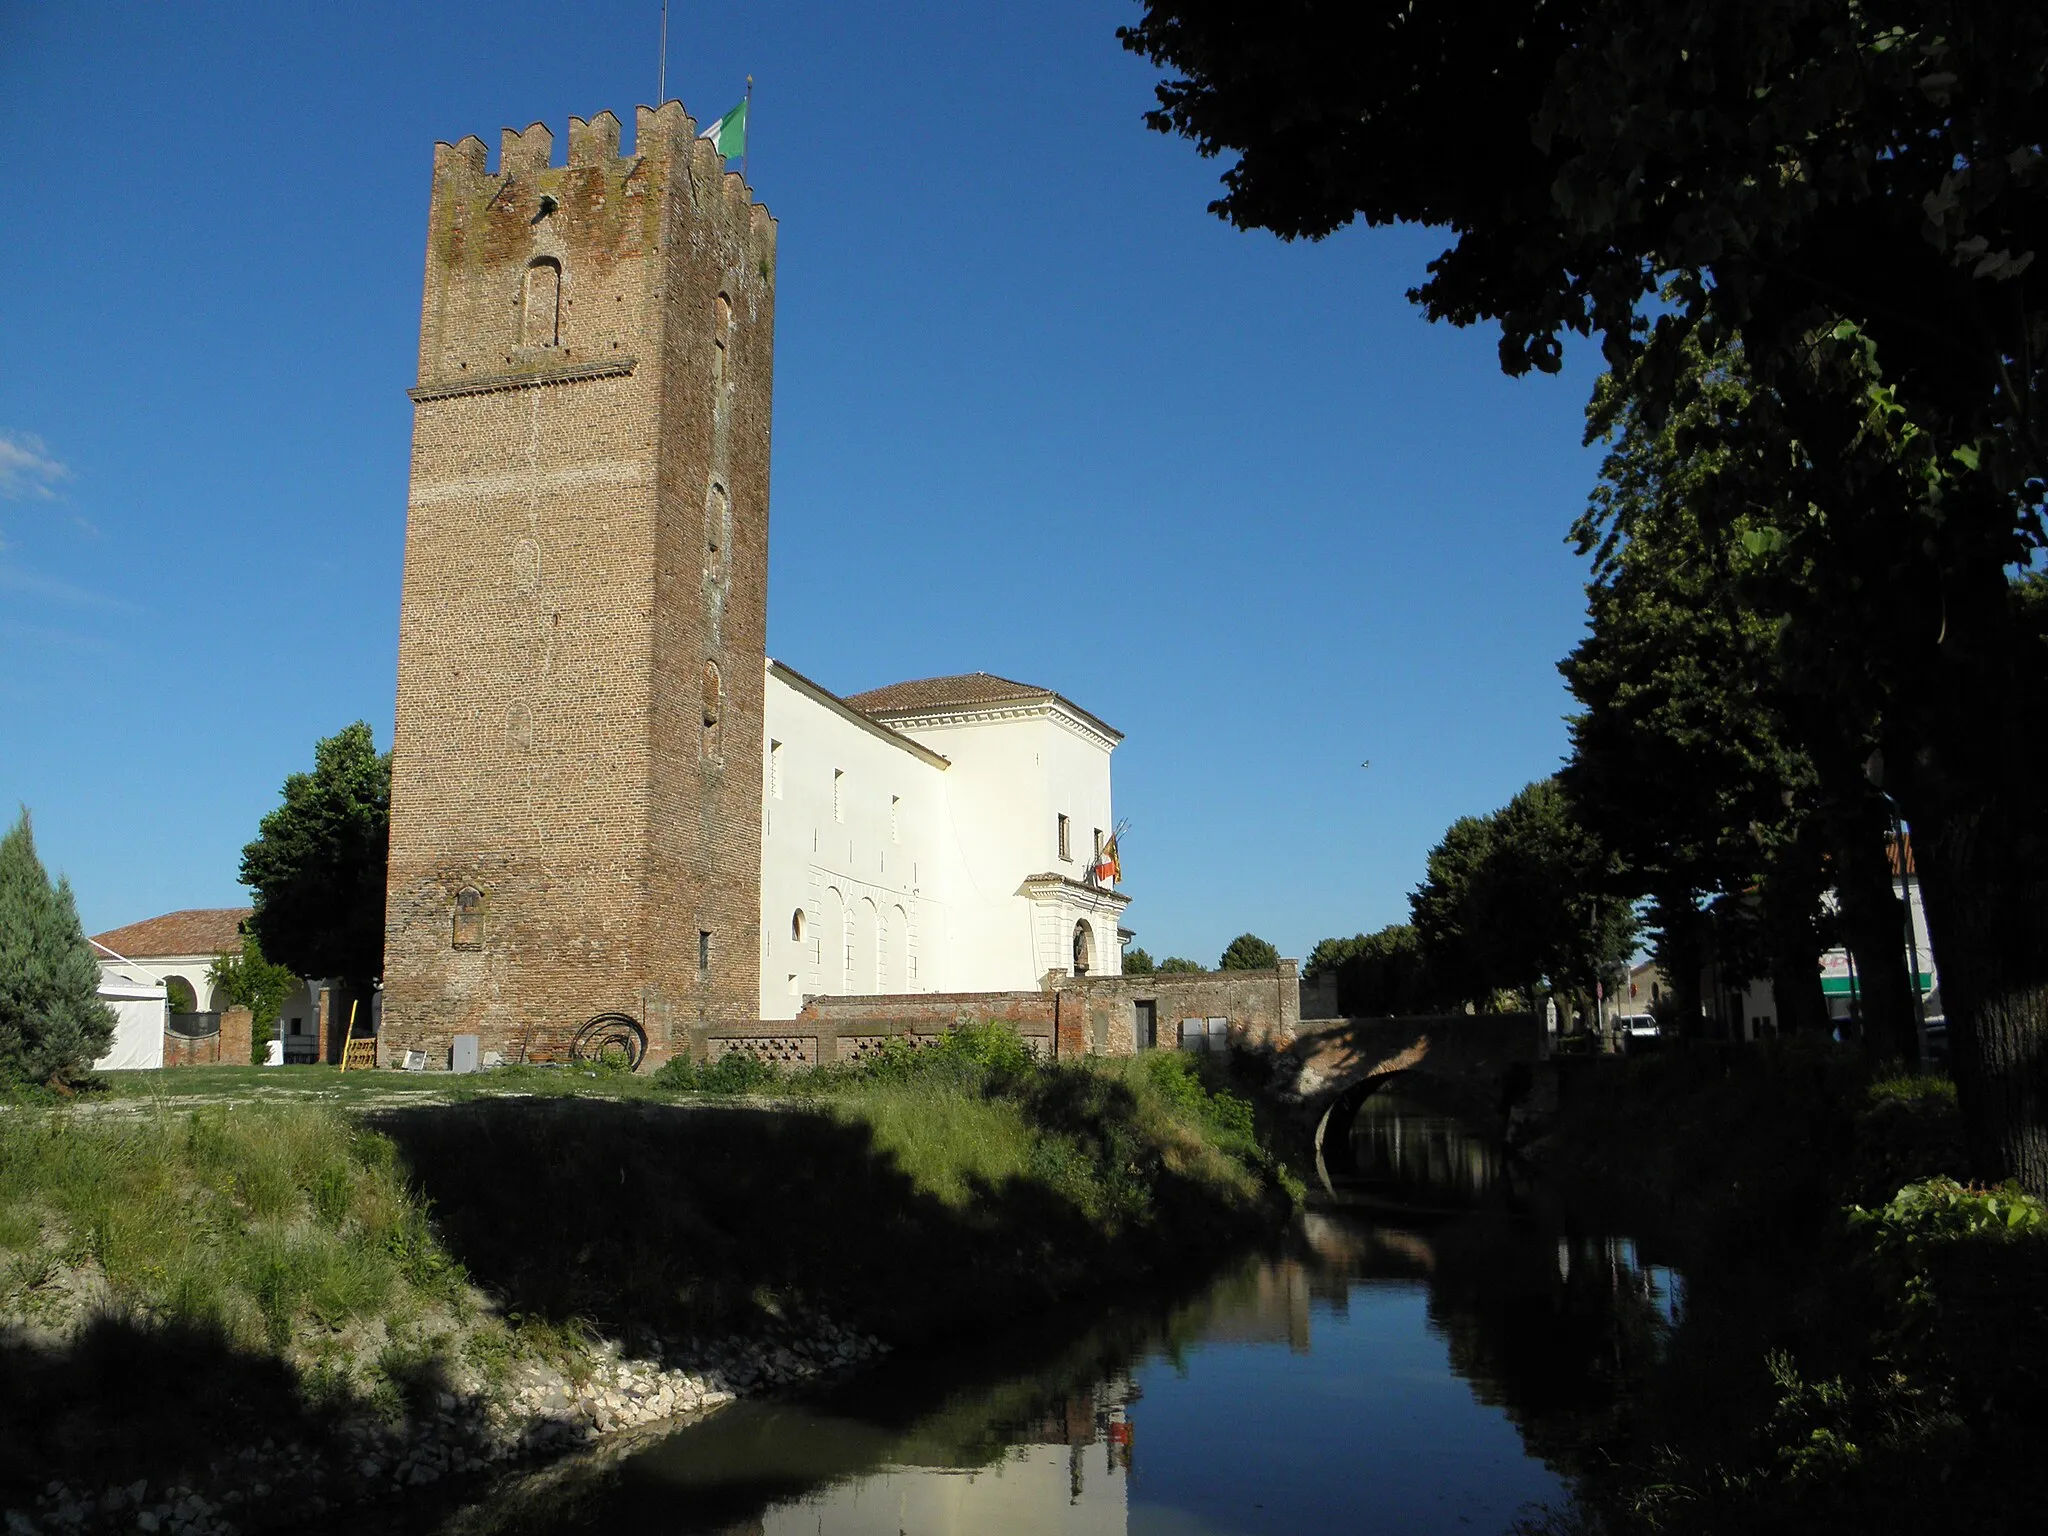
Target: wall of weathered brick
[
  {"x": 1068, "y": 1017},
  {"x": 587, "y": 527},
  {"x": 831, "y": 1029},
  {"x": 227, "y": 1044},
  {"x": 1263, "y": 1007}
]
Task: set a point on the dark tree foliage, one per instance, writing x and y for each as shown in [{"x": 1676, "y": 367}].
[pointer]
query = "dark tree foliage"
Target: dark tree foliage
[
  {"x": 1854, "y": 190},
  {"x": 1521, "y": 899},
  {"x": 317, "y": 865},
  {"x": 1138, "y": 961},
  {"x": 1692, "y": 758},
  {"x": 1176, "y": 965},
  {"x": 53, "y": 1026},
  {"x": 1377, "y": 973},
  {"x": 1248, "y": 952}
]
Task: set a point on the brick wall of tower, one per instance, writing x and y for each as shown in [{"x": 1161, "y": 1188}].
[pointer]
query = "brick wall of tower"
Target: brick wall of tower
[
  {"x": 712, "y": 570},
  {"x": 556, "y": 608}
]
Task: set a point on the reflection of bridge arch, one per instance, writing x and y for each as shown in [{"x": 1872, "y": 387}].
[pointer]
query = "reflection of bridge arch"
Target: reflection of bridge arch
[{"x": 1340, "y": 1113}]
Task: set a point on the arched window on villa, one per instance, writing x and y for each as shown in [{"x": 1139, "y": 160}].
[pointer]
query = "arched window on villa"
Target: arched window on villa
[
  {"x": 1084, "y": 947},
  {"x": 714, "y": 712},
  {"x": 540, "y": 323},
  {"x": 796, "y": 925},
  {"x": 467, "y": 927}
]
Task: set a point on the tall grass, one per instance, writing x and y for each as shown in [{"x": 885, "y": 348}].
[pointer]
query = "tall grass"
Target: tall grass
[
  {"x": 975, "y": 1108},
  {"x": 277, "y": 1228}
]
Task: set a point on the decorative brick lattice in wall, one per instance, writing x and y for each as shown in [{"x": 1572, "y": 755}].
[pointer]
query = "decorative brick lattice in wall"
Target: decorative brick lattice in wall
[
  {"x": 779, "y": 1050},
  {"x": 861, "y": 1047}
]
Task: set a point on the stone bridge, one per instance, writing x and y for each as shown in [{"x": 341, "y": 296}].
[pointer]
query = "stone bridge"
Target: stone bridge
[{"x": 1478, "y": 1064}]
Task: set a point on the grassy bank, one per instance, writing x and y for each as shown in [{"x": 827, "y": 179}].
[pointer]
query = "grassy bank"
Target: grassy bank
[
  {"x": 1864, "y": 1342},
  {"x": 178, "y": 1278}
]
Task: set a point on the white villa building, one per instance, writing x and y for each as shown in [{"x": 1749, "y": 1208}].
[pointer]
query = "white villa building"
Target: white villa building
[{"x": 932, "y": 836}]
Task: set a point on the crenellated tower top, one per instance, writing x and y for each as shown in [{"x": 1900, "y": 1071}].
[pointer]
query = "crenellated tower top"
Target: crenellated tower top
[{"x": 591, "y": 224}]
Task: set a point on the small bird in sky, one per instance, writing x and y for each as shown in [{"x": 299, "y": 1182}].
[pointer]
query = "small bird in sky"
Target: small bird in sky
[{"x": 1366, "y": 764}]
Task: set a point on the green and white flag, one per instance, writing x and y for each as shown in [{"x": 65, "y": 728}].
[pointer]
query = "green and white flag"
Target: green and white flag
[{"x": 729, "y": 134}]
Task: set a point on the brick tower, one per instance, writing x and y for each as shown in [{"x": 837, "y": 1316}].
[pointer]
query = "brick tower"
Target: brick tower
[{"x": 576, "y": 774}]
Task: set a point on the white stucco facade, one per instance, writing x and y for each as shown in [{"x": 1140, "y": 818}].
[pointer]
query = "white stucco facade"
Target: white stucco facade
[{"x": 914, "y": 844}]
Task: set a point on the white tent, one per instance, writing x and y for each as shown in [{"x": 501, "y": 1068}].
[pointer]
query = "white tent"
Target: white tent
[{"x": 138, "y": 1024}]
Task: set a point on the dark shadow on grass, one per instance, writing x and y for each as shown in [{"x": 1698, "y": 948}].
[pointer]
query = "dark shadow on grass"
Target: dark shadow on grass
[
  {"x": 651, "y": 1220},
  {"x": 126, "y": 1401}
]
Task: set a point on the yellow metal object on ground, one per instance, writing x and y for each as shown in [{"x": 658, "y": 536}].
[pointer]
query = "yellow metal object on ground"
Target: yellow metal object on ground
[{"x": 357, "y": 1053}]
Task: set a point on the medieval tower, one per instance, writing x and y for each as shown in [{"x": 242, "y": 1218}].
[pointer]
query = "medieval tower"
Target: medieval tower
[{"x": 577, "y": 768}]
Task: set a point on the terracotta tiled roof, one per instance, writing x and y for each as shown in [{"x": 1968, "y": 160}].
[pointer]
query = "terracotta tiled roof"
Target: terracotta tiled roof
[
  {"x": 933, "y": 693},
  {"x": 198, "y": 931},
  {"x": 970, "y": 690}
]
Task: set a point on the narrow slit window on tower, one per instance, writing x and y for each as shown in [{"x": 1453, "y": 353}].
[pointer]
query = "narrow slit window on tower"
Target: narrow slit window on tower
[
  {"x": 1066, "y": 838},
  {"x": 703, "y": 953},
  {"x": 720, "y": 335},
  {"x": 717, "y": 515},
  {"x": 540, "y": 322},
  {"x": 467, "y": 929},
  {"x": 714, "y": 708}
]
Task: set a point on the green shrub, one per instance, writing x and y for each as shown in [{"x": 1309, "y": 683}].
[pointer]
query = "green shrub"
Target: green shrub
[
  {"x": 1907, "y": 1128},
  {"x": 733, "y": 1073}
]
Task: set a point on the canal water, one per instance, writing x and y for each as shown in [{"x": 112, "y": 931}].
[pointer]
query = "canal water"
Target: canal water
[{"x": 1429, "y": 1353}]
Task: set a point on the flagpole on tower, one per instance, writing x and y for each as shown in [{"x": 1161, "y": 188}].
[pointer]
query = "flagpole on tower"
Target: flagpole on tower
[
  {"x": 750, "y": 125},
  {"x": 661, "y": 78}
]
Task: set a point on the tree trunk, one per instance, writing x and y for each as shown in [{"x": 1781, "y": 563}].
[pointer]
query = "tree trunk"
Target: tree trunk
[
  {"x": 1790, "y": 911},
  {"x": 1986, "y": 894},
  {"x": 1874, "y": 925},
  {"x": 1682, "y": 956}
]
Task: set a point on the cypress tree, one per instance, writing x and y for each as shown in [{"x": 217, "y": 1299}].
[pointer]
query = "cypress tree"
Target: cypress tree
[{"x": 53, "y": 1026}]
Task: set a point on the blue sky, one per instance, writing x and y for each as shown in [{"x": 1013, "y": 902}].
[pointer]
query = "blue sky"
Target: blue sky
[{"x": 1037, "y": 413}]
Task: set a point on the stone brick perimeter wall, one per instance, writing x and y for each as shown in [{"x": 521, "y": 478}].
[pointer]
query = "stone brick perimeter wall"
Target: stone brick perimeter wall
[
  {"x": 1263, "y": 1007},
  {"x": 1069, "y": 1017},
  {"x": 848, "y": 1028},
  {"x": 227, "y": 1046}
]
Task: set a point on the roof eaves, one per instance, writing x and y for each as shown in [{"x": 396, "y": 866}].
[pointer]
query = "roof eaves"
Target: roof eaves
[{"x": 867, "y": 722}]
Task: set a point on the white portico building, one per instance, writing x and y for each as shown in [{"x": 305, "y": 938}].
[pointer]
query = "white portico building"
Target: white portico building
[{"x": 933, "y": 836}]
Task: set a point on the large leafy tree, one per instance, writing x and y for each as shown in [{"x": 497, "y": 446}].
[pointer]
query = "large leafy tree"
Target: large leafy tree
[
  {"x": 317, "y": 864},
  {"x": 1248, "y": 952},
  {"x": 1690, "y": 758},
  {"x": 53, "y": 1026},
  {"x": 1377, "y": 973},
  {"x": 1854, "y": 189},
  {"x": 1524, "y": 898}
]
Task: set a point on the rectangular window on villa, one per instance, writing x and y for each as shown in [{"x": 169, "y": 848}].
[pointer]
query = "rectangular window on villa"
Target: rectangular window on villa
[
  {"x": 775, "y": 769},
  {"x": 1098, "y": 845},
  {"x": 839, "y": 794},
  {"x": 894, "y": 802},
  {"x": 1066, "y": 838}
]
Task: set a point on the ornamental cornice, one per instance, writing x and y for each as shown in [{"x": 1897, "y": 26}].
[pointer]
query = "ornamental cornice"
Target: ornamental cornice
[
  {"x": 996, "y": 714},
  {"x": 1065, "y": 887}
]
